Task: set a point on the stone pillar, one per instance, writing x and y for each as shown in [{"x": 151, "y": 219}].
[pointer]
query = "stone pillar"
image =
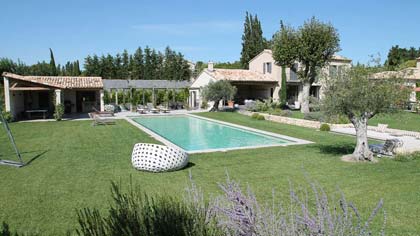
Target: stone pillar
[
  {"x": 116, "y": 96},
  {"x": 7, "y": 95},
  {"x": 58, "y": 96},
  {"x": 101, "y": 98}
]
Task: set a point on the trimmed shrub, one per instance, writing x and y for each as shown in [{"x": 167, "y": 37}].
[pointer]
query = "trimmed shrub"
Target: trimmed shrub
[
  {"x": 315, "y": 116},
  {"x": 325, "y": 127},
  {"x": 255, "y": 115},
  {"x": 7, "y": 116},
  {"x": 59, "y": 112},
  {"x": 260, "y": 117}
]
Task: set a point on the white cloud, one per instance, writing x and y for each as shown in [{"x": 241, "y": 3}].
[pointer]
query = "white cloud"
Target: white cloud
[{"x": 191, "y": 28}]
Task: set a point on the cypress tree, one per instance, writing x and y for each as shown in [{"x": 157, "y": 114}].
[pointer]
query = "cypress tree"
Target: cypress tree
[
  {"x": 53, "y": 67},
  {"x": 253, "y": 41}
]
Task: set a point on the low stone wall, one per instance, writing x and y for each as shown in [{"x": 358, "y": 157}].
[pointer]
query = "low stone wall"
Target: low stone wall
[{"x": 294, "y": 121}]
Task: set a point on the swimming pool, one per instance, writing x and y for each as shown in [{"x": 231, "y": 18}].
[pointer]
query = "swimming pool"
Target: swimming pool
[{"x": 196, "y": 134}]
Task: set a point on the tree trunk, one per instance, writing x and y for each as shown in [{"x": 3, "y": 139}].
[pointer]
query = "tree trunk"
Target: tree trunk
[
  {"x": 215, "y": 106},
  {"x": 305, "y": 97},
  {"x": 361, "y": 152}
]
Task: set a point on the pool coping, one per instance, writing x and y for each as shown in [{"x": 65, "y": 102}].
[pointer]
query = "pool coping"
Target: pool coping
[{"x": 293, "y": 141}]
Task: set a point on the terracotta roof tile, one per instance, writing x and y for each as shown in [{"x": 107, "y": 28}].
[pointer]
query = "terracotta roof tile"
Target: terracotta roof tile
[{"x": 63, "y": 82}]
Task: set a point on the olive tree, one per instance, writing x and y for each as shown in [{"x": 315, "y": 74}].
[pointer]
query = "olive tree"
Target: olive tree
[
  {"x": 312, "y": 45},
  {"x": 355, "y": 94},
  {"x": 217, "y": 91}
]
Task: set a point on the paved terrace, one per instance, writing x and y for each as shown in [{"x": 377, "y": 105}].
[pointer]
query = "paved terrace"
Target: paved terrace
[{"x": 411, "y": 144}]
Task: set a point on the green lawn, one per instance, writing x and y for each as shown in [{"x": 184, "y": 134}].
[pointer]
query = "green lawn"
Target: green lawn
[
  {"x": 401, "y": 120},
  {"x": 73, "y": 163}
]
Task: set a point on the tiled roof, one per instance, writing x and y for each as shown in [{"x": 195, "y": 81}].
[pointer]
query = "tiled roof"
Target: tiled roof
[
  {"x": 63, "y": 82},
  {"x": 239, "y": 75},
  {"x": 408, "y": 73}
]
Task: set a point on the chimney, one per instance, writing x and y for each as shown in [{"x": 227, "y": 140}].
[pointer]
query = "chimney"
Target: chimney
[
  {"x": 418, "y": 63},
  {"x": 210, "y": 66}
]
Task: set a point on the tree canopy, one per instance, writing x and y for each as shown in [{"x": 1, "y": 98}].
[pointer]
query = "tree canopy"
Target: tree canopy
[
  {"x": 400, "y": 58},
  {"x": 143, "y": 64},
  {"x": 312, "y": 45},
  {"x": 217, "y": 91},
  {"x": 253, "y": 41}
]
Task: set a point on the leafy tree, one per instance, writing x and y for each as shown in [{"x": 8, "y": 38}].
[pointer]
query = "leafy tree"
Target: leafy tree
[
  {"x": 398, "y": 57},
  {"x": 217, "y": 91},
  {"x": 312, "y": 45},
  {"x": 54, "y": 71},
  {"x": 253, "y": 41},
  {"x": 352, "y": 93}
]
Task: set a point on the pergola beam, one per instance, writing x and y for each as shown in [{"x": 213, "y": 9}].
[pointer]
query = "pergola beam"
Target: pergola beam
[{"x": 29, "y": 89}]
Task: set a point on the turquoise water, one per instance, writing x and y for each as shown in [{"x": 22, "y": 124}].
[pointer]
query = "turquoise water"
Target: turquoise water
[{"x": 195, "y": 134}]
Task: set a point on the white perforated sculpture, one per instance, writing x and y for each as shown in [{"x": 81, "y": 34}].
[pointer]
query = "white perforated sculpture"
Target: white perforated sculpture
[{"x": 158, "y": 158}]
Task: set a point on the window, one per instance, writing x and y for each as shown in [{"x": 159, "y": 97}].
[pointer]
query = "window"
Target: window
[
  {"x": 267, "y": 67},
  {"x": 335, "y": 70}
]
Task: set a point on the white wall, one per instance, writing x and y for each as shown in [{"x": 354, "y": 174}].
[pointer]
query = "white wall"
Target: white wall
[{"x": 202, "y": 80}]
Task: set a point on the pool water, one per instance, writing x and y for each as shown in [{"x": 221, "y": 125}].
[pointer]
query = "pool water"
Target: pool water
[{"x": 196, "y": 134}]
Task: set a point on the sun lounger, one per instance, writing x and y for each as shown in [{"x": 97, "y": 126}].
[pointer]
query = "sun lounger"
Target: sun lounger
[
  {"x": 151, "y": 108},
  {"x": 163, "y": 109},
  {"x": 141, "y": 109},
  {"x": 103, "y": 113},
  {"x": 388, "y": 148},
  {"x": 100, "y": 120}
]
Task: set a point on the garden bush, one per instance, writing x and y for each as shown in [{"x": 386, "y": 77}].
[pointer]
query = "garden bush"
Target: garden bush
[
  {"x": 234, "y": 212},
  {"x": 7, "y": 116},
  {"x": 315, "y": 116},
  {"x": 324, "y": 127},
  {"x": 260, "y": 117},
  {"x": 136, "y": 213},
  {"x": 58, "y": 112},
  {"x": 255, "y": 115}
]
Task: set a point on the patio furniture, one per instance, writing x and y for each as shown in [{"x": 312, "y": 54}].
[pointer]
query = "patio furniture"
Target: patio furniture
[
  {"x": 163, "y": 109},
  {"x": 31, "y": 112},
  {"x": 103, "y": 113},
  {"x": 382, "y": 128},
  {"x": 141, "y": 109},
  {"x": 388, "y": 148},
  {"x": 123, "y": 108},
  {"x": 100, "y": 120},
  {"x": 151, "y": 108},
  {"x": 158, "y": 158}
]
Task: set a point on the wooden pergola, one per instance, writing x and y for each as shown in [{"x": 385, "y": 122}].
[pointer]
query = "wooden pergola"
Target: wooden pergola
[{"x": 154, "y": 85}]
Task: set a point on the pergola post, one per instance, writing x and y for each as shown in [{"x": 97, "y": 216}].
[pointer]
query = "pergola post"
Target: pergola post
[
  {"x": 101, "y": 98},
  {"x": 7, "y": 95},
  {"x": 57, "y": 96},
  {"x": 153, "y": 97}
]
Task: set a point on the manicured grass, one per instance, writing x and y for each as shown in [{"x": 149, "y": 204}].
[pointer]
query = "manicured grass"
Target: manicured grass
[
  {"x": 401, "y": 120},
  {"x": 75, "y": 163}
]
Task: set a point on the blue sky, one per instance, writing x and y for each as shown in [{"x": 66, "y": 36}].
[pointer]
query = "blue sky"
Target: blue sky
[{"x": 201, "y": 30}]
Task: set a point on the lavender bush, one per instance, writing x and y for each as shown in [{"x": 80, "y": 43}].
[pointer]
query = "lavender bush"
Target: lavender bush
[
  {"x": 233, "y": 213},
  {"x": 239, "y": 213}
]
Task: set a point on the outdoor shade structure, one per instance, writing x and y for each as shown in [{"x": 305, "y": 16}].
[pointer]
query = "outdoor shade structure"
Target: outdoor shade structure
[
  {"x": 27, "y": 97},
  {"x": 118, "y": 86}
]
